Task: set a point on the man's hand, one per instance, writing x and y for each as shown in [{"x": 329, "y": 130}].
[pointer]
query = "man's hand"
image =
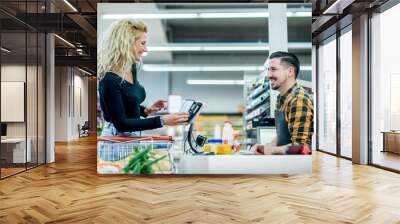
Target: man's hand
[
  {"x": 157, "y": 106},
  {"x": 258, "y": 149},
  {"x": 268, "y": 149}
]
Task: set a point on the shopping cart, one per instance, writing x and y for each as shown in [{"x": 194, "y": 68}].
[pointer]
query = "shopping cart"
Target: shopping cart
[{"x": 120, "y": 155}]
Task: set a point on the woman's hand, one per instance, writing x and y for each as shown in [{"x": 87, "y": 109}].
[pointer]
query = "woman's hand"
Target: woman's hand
[
  {"x": 175, "y": 118},
  {"x": 157, "y": 106}
]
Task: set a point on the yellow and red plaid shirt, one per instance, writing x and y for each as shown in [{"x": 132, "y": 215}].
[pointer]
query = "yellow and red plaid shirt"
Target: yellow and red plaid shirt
[{"x": 299, "y": 114}]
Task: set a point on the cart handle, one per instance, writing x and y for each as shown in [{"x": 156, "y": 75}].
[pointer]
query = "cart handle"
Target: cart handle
[{"x": 132, "y": 138}]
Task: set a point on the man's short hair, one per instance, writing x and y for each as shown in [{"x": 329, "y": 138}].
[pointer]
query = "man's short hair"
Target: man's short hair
[{"x": 288, "y": 58}]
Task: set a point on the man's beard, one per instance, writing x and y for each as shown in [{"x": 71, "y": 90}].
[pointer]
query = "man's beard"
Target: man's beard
[{"x": 275, "y": 87}]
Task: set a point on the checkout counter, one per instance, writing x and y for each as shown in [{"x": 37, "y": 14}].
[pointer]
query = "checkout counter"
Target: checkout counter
[{"x": 243, "y": 164}]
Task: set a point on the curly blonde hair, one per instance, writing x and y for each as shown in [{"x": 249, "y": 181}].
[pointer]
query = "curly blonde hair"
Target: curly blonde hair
[{"x": 117, "y": 46}]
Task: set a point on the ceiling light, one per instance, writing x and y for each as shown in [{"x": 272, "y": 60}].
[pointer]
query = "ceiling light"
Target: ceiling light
[
  {"x": 229, "y": 68},
  {"x": 5, "y": 50},
  {"x": 174, "y": 48},
  {"x": 214, "y": 82},
  {"x": 306, "y": 68},
  {"x": 333, "y": 8},
  {"x": 234, "y": 15},
  {"x": 70, "y": 5},
  {"x": 84, "y": 71},
  {"x": 195, "y": 68},
  {"x": 207, "y": 68},
  {"x": 170, "y": 68},
  {"x": 299, "y": 14},
  {"x": 224, "y": 46},
  {"x": 236, "y": 48},
  {"x": 65, "y": 41},
  {"x": 151, "y": 16},
  {"x": 201, "y": 15}
]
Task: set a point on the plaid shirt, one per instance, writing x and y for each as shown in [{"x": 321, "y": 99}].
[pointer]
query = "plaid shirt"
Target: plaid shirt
[{"x": 299, "y": 114}]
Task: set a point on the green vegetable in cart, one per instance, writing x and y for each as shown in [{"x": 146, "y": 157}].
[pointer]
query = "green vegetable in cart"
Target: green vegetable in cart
[{"x": 142, "y": 161}]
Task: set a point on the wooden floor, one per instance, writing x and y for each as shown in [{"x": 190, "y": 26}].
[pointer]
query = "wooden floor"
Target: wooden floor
[
  {"x": 10, "y": 171},
  {"x": 70, "y": 191}
]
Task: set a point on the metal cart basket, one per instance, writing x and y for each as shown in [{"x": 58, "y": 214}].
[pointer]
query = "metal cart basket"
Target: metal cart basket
[{"x": 115, "y": 155}]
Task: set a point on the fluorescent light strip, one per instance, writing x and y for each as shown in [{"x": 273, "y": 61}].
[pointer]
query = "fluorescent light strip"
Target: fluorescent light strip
[
  {"x": 171, "y": 68},
  {"x": 236, "y": 48},
  {"x": 225, "y": 47},
  {"x": 5, "y": 50},
  {"x": 201, "y": 15},
  {"x": 331, "y": 7},
  {"x": 64, "y": 40},
  {"x": 174, "y": 48},
  {"x": 70, "y": 5},
  {"x": 228, "y": 68},
  {"x": 233, "y": 15},
  {"x": 151, "y": 16},
  {"x": 84, "y": 71},
  {"x": 197, "y": 68},
  {"x": 214, "y": 82},
  {"x": 298, "y": 14},
  {"x": 306, "y": 68}
]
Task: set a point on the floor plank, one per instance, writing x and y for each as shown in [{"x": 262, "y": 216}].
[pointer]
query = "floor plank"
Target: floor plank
[{"x": 70, "y": 191}]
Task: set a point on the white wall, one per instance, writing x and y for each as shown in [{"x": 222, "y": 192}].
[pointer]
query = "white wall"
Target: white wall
[
  {"x": 33, "y": 126},
  {"x": 61, "y": 103},
  {"x": 156, "y": 85},
  {"x": 67, "y": 112},
  {"x": 79, "y": 117},
  {"x": 16, "y": 72}
]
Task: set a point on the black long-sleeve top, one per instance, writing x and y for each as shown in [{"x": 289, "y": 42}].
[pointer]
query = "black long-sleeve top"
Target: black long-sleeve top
[{"x": 120, "y": 102}]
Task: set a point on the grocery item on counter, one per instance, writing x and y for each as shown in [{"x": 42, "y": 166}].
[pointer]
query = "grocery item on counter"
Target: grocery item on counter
[
  {"x": 236, "y": 145},
  {"x": 227, "y": 134},
  {"x": 212, "y": 144},
  {"x": 224, "y": 149},
  {"x": 214, "y": 141},
  {"x": 217, "y": 131},
  {"x": 207, "y": 148}
]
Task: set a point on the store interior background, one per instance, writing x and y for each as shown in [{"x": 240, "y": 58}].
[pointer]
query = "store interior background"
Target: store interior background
[
  {"x": 237, "y": 46},
  {"x": 25, "y": 49}
]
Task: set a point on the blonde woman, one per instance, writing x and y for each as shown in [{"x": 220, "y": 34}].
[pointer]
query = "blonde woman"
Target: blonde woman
[{"x": 119, "y": 58}]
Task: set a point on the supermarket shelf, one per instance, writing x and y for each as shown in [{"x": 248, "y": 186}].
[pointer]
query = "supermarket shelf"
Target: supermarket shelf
[
  {"x": 257, "y": 102},
  {"x": 205, "y": 123},
  {"x": 257, "y": 107},
  {"x": 259, "y": 90},
  {"x": 260, "y": 111}
]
